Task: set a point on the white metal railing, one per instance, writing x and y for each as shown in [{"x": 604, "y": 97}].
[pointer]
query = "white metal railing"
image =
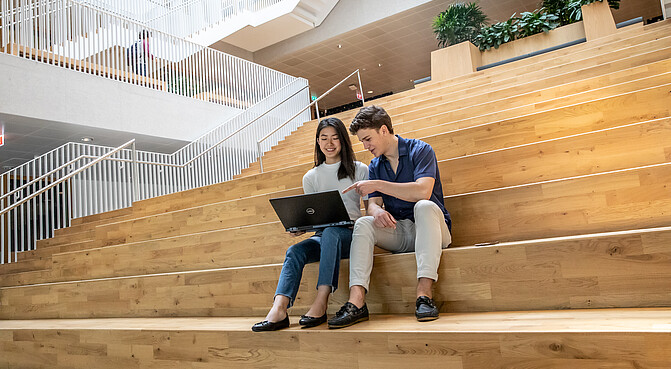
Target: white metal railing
[
  {"x": 76, "y": 36},
  {"x": 261, "y": 144},
  {"x": 67, "y": 34},
  {"x": 181, "y": 17},
  {"x": 47, "y": 181},
  {"x": 213, "y": 158}
]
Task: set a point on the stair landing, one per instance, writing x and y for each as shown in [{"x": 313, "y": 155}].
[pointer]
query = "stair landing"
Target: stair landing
[{"x": 599, "y": 338}]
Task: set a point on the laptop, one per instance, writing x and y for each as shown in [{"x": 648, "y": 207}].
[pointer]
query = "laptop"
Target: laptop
[{"x": 311, "y": 212}]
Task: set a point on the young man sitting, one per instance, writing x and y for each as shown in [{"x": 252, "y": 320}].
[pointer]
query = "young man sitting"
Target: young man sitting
[{"x": 406, "y": 213}]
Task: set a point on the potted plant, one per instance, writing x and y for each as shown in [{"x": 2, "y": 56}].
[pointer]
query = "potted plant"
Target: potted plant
[
  {"x": 527, "y": 24},
  {"x": 568, "y": 11},
  {"x": 460, "y": 22}
]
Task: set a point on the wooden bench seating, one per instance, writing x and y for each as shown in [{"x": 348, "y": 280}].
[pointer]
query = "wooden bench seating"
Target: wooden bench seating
[
  {"x": 437, "y": 142},
  {"x": 593, "y": 339},
  {"x": 483, "y": 81},
  {"x": 467, "y": 110},
  {"x": 630, "y": 269}
]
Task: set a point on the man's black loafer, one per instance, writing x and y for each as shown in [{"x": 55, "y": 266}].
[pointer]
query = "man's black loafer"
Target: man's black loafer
[
  {"x": 266, "y": 326},
  {"x": 347, "y": 315},
  {"x": 309, "y": 321},
  {"x": 425, "y": 309}
]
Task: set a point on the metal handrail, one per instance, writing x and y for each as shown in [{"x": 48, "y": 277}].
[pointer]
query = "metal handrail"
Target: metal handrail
[
  {"x": 134, "y": 160},
  {"x": 258, "y": 143},
  {"x": 247, "y": 125},
  {"x": 74, "y": 173}
]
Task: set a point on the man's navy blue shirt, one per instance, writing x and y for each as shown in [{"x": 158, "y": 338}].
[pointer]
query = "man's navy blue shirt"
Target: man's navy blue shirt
[{"x": 416, "y": 159}]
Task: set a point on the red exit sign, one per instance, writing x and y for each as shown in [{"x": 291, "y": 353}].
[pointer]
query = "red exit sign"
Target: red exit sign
[{"x": 2, "y": 139}]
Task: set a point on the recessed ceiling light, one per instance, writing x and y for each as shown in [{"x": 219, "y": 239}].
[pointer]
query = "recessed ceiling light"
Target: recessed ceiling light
[
  {"x": 370, "y": 92},
  {"x": 364, "y": 69},
  {"x": 87, "y": 139},
  {"x": 339, "y": 46},
  {"x": 379, "y": 65}
]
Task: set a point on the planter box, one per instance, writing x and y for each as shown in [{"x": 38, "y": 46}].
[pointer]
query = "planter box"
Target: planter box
[
  {"x": 465, "y": 58},
  {"x": 533, "y": 43},
  {"x": 598, "y": 20},
  {"x": 453, "y": 61}
]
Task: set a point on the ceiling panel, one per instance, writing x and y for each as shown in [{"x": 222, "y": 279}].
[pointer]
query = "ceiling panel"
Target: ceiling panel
[{"x": 402, "y": 43}]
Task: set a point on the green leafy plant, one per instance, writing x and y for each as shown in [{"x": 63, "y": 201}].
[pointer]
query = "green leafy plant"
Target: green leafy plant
[
  {"x": 532, "y": 23},
  {"x": 568, "y": 11},
  {"x": 575, "y": 8},
  {"x": 526, "y": 24},
  {"x": 496, "y": 34},
  {"x": 460, "y": 22},
  {"x": 558, "y": 8}
]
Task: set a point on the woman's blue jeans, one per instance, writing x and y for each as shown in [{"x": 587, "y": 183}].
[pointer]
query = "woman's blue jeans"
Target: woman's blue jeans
[{"x": 333, "y": 246}]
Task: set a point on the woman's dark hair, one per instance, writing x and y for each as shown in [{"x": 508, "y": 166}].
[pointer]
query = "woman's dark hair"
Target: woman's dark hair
[{"x": 347, "y": 168}]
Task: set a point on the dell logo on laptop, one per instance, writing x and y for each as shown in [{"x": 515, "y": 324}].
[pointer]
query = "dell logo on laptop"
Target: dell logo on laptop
[{"x": 310, "y": 211}]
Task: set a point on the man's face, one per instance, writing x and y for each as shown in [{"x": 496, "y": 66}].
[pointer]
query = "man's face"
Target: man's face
[{"x": 375, "y": 141}]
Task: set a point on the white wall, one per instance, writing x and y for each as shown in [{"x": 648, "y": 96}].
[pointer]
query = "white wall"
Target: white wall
[{"x": 36, "y": 90}]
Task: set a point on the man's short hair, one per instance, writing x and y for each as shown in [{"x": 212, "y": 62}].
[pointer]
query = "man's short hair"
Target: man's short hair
[{"x": 371, "y": 117}]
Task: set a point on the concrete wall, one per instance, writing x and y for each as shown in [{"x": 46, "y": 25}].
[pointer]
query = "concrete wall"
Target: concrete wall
[{"x": 40, "y": 91}]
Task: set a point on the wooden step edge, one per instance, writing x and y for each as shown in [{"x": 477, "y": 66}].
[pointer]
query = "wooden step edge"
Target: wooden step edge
[
  {"x": 137, "y": 243},
  {"x": 85, "y": 237},
  {"x": 252, "y": 197},
  {"x": 451, "y": 249},
  {"x": 603, "y": 42},
  {"x": 513, "y": 86},
  {"x": 453, "y": 130},
  {"x": 102, "y": 216},
  {"x": 15, "y": 278},
  {"x": 80, "y": 228},
  {"x": 281, "y": 156},
  {"x": 529, "y": 144},
  {"x": 616, "y": 320},
  {"x": 45, "y": 252}
]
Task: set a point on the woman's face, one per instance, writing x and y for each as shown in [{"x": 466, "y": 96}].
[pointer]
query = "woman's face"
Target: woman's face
[{"x": 329, "y": 144}]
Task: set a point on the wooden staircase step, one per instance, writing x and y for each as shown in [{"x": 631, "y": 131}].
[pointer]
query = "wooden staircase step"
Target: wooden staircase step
[
  {"x": 472, "y": 113},
  {"x": 618, "y": 269},
  {"x": 552, "y": 124},
  {"x": 479, "y": 87},
  {"x": 586, "y": 339},
  {"x": 101, "y": 216},
  {"x": 235, "y": 247}
]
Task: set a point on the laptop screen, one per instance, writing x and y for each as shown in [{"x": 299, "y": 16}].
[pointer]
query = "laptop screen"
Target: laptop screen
[{"x": 309, "y": 212}]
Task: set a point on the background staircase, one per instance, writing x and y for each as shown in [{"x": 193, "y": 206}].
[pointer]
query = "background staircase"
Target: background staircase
[{"x": 561, "y": 160}]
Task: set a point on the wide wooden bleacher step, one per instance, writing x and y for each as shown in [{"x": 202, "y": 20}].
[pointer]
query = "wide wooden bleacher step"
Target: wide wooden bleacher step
[
  {"x": 576, "y": 151},
  {"x": 619, "y": 269},
  {"x": 585, "y": 339},
  {"x": 452, "y": 96}
]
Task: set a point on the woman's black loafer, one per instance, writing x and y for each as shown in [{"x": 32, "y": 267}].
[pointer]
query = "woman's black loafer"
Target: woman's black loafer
[
  {"x": 266, "y": 326},
  {"x": 309, "y": 321}
]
